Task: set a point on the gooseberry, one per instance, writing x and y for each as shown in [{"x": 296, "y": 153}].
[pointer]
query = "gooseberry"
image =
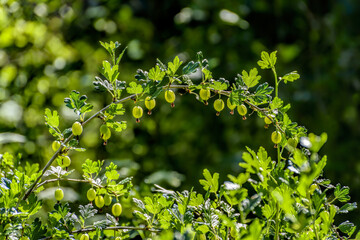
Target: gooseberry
[
  {"x": 230, "y": 106},
  {"x": 137, "y": 112},
  {"x": 85, "y": 236},
  {"x": 242, "y": 110},
  {"x": 204, "y": 94},
  {"x": 91, "y": 194},
  {"x": 150, "y": 104},
  {"x": 66, "y": 161},
  {"x": 170, "y": 97},
  {"x": 219, "y": 105},
  {"x": 59, "y": 194},
  {"x": 77, "y": 128},
  {"x": 105, "y": 132},
  {"x": 99, "y": 201},
  {"x": 116, "y": 209},
  {"x": 107, "y": 199},
  {"x": 276, "y": 137},
  {"x": 267, "y": 121},
  {"x": 55, "y": 145}
]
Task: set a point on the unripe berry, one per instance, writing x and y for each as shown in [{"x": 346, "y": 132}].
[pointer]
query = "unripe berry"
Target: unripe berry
[
  {"x": 118, "y": 238},
  {"x": 229, "y": 105},
  {"x": 55, "y": 145},
  {"x": 116, "y": 209},
  {"x": 137, "y": 112},
  {"x": 77, "y": 128},
  {"x": 242, "y": 110},
  {"x": 219, "y": 105},
  {"x": 267, "y": 121},
  {"x": 276, "y": 137},
  {"x": 91, "y": 194},
  {"x": 204, "y": 94},
  {"x": 99, "y": 201},
  {"x": 150, "y": 104},
  {"x": 66, "y": 161},
  {"x": 85, "y": 236},
  {"x": 59, "y": 194},
  {"x": 105, "y": 132},
  {"x": 107, "y": 200},
  {"x": 170, "y": 97}
]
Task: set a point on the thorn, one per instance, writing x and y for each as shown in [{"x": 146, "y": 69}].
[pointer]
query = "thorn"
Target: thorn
[
  {"x": 206, "y": 103},
  {"x": 218, "y": 113},
  {"x": 105, "y": 142},
  {"x": 244, "y": 118},
  {"x": 275, "y": 146},
  {"x": 232, "y": 112},
  {"x": 149, "y": 112},
  {"x": 137, "y": 120},
  {"x": 172, "y": 105}
]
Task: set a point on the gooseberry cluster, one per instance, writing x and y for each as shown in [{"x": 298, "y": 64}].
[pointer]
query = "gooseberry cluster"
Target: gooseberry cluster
[{"x": 101, "y": 201}]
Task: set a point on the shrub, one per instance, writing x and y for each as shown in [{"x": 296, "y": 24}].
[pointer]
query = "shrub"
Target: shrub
[{"x": 282, "y": 198}]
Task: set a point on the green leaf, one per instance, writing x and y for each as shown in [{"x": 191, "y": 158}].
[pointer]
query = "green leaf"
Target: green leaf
[
  {"x": 267, "y": 61},
  {"x": 211, "y": 182},
  {"x": 347, "y": 207},
  {"x": 51, "y": 118},
  {"x": 341, "y": 194},
  {"x": 173, "y": 66},
  {"x": 262, "y": 93},
  {"x": 276, "y": 103},
  {"x": 219, "y": 85},
  {"x": 87, "y": 211},
  {"x": 134, "y": 88},
  {"x": 290, "y": 77},
  {"x": 77, "y": 102},
  {"x": 251, "y": 79},
  {"x": 190, "y": 67},
  {"x": 207, "y": 74},
  {"x": 156, "y": 74},
  {"x": 112, "y": 175},
  {"x": 347, "y": 227}
]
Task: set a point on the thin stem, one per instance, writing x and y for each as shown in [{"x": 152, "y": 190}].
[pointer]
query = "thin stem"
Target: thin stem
[
  {"x": 111, "y": 228},
  {"x": 277, "y": 226},
  {"x": 276, "y": 81}
]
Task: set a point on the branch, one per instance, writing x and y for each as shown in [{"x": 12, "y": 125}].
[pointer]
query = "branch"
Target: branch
[{"x": 56, "y": 154}]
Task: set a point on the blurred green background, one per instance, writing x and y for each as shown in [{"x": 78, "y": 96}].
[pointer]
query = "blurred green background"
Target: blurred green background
[{"x": 48, "y": 48}]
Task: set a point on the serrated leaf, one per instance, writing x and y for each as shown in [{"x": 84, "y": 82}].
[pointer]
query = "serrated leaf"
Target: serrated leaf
[
  {"x": 77, "y": 102},
  {"x": 267, "y": 61},
  {"x": 347, "y": 227},
  {"x": 211, "y": 183},
  {"x": 290, "y": 77},
  {"x": 87, "y": 211},
  {"x": 174, "y": 66},
  {"x": 342, "y": 194},
  {"x": 348, "y": 207},
  {"x": 156, "y": 74},
  {"x": 219, "y": 85},
  {"x": 190, "y": 67},
  {"x": 276, "y": 103},
  {"x": 262, "y": 93},
  {"x": 134, "y": 88},
  {"x": 51, "y": 118},
  {"x": 251, "y": 79}
]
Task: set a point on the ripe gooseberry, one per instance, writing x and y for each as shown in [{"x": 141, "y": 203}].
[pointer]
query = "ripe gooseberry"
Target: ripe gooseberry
[
  {"x": 230, "y": 106},
  {"x": 85, "y": 236},
  {"x": 204, "y": 94},
  {"x": 170, "y": 97},
  {"x": 150, "y": 104},
  {"x": 59, "y": 194},
  {"x": 55, "y": 145},
  {"x": 242, "y": 110},
  {"x": 91, "y": 194},
  {"x": 116, "y": 209},
  {"x": 105, "y": 133},
  {"x": 107, "y": 199},
  {"x": 219, "y": 106},
  {"x": 137, "y": 112},
  {"x": 99, "y": 201},
  {"x": 77, "y": 128},
  {"x": 276, "y": 137},
  {"x": 66, "y": 161}
]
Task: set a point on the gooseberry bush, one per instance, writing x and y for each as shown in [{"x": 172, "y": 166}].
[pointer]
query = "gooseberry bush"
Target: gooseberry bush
[{"x": 282, "y": 198}]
